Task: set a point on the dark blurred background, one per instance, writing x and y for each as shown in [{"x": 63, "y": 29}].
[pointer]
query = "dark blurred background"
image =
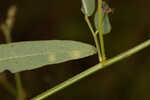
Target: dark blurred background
[{"x": 128, "y": 79}]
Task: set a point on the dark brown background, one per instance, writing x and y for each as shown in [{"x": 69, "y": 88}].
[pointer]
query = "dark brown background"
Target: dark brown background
[{"x": 62, "y": 19}]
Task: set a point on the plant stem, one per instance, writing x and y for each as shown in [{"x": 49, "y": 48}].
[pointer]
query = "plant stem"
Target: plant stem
[
  {"x": 100, "y": 29},
  {"x": 92, "y": 70},
  {"x": 6, "y": 28},
  {"x": 17, "y": 75},
  {"x": 95, "y": 37},
  {"x": 6, "y": 33},
  {"x": 20, "y": 91}
]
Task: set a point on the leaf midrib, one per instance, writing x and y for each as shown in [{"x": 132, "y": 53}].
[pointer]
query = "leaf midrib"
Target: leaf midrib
[{"x": 31, "y": 55}]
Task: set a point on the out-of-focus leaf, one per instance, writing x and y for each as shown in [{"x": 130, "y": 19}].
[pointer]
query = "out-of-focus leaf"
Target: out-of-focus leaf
[
  {"x": 88, "y": 7},
  {"x": 22, "y": 56},
  {"x": 106, "y": 23}
]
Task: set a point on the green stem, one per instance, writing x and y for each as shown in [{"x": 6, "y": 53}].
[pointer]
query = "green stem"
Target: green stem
[
  {"x": 6, "y": 28},
  {"x": 95, "y": 37},
  {"x": 6, "y": 33},
  {"x": 100, "y": 29},
  {"x": 92, "y": 70},
  {"x": 20, "y": 91}
]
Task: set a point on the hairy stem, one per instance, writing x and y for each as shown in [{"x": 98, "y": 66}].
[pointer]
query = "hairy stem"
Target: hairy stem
[{"x": 92, "y": 70}]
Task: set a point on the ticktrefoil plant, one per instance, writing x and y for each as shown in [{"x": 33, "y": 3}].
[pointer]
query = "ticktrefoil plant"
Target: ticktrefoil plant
[
  {"x": 21, "y": 56},
  {"x": 102, "y": 26}
]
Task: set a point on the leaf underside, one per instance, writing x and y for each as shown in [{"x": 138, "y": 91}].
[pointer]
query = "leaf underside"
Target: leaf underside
[
  {"x": 21, "y": 56},
  {"x": 106, "y": 25}
]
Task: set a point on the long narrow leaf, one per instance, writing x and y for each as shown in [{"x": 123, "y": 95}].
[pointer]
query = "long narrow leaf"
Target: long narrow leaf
[{"x": 22, "y": 56}]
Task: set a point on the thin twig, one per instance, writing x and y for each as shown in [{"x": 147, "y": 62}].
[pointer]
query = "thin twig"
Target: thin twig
[
  {"x": 7, "y": 28},
  {"x": 20, "y": 90},
  {"x": 92, "y": 70},
  {"x": 95, "y": 37},
  {"x": 100, "y": 29}
]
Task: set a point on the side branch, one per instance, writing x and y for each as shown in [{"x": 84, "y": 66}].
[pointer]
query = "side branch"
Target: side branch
[{"x": 92, "y": 70}]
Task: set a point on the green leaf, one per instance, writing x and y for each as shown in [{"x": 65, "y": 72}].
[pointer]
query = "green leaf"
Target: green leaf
[
  {"x": 22, "y": 56},
  {"x": 88, "y": 7},
  {"x": 106, "y": 23}
]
